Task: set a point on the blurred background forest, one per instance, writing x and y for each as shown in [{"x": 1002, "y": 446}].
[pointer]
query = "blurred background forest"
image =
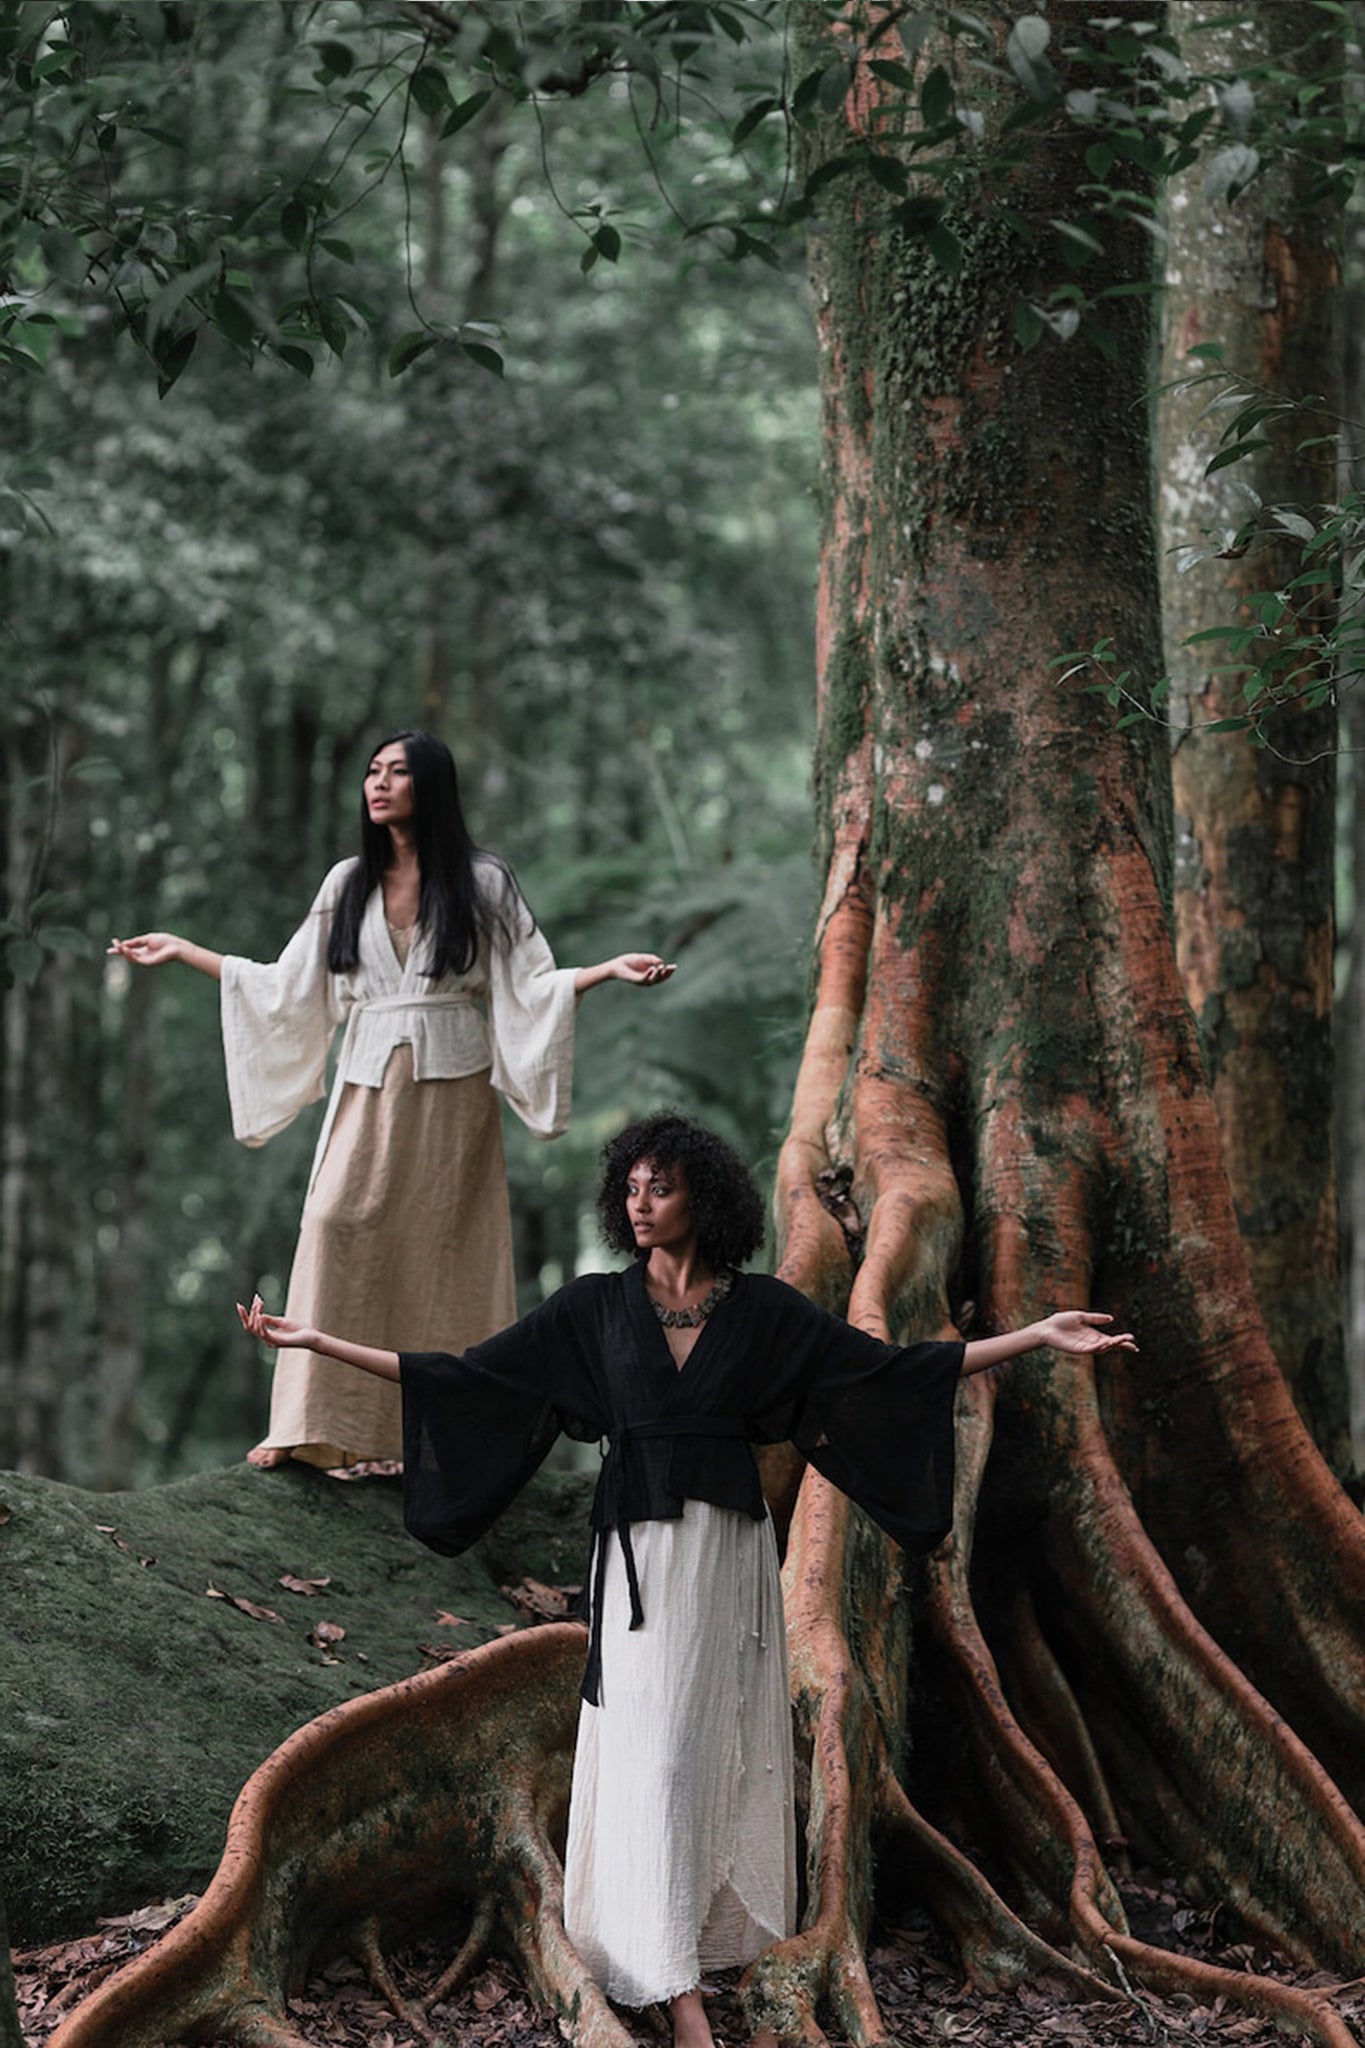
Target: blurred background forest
[{"x": 593, "y": 577}]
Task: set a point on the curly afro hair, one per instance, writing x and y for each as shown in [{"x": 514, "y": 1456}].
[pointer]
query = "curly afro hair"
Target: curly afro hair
[{"x": 726, "y": 1207}]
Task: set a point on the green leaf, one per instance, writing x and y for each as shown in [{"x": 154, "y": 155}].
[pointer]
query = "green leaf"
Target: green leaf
[
  {"x": 337, "y": 59},
  {"x": 343, "y": 251},
  {"x": 294, "y": 222},
  {"x": 936, "y": 97},
  {"x": 945, "y": 249},
  {"x": 749, "y": 120},
  {"x": 835, "y": 82},
  {"x": 1028, "y": 332},
  {"x": 233, "y": 319},
  {"x": 94, "y": 768},
  {"x": 430, "y": 89},
  {"x": 1024, "y": 49},
  {"x": 297, "y": 358},
  {"x": 887, "y": 172},
  {"x": 1100, "y": 159},
  {"x": 1229, "y": 455},
  {"x": 486, "y": 358},
  {"x": 463, "y": 112},
  {"x": 173, "y": 361},
  {"x": 607, "y": 242},
  {"x": 892, "y": 73},
  {"x": 1227, "y": 725},
  {"x": 407, "y": 349}
]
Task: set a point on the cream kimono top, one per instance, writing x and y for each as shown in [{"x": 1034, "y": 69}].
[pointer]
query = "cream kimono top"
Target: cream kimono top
[{"x": 512, "y": 1012}]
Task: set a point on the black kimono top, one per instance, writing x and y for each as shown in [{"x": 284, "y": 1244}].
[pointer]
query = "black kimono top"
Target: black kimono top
[{"x": 768, "y": 1367}]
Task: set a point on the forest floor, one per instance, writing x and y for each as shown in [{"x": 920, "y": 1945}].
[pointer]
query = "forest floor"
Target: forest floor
[{"x": 918, "y": 1985}]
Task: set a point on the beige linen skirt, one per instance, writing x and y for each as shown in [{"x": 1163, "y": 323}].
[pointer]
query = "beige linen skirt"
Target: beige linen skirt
[
  {"x": 681, "y": 1854},
  {"x": 405, "y": 1243}
]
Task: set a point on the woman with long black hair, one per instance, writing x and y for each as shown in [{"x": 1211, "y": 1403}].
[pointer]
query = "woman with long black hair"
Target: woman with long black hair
[{"x": 424, "y": 949}]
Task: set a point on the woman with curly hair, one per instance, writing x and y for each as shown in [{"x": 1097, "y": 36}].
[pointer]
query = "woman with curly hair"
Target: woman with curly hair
[{"x": 681, "y": 1853}]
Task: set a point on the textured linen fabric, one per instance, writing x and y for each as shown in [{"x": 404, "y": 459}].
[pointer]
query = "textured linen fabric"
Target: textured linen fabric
[
  {"x": 406, "y": 1230},
  {"x": 681, "y": 1855},
  {"x": 512, "y": 1013},
  {"x": 405, "y": 1233}
]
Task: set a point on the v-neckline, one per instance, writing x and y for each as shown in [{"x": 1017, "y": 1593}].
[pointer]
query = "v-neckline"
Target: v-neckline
[{"x": 646, "y": 1309}]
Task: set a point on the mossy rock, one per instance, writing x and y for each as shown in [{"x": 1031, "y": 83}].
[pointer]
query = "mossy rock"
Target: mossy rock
[{"x": 133, "y": 1707}]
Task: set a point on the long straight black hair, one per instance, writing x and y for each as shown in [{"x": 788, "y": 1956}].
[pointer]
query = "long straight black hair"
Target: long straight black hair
[{"x": 450, "y": 905}]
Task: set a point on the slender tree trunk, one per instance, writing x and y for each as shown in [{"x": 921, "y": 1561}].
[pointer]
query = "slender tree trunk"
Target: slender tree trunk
[
  {"x": 1351, "y": 1010},
  {"x": 1255, "y": 826},
  {"x": 10, "y": 2034}
]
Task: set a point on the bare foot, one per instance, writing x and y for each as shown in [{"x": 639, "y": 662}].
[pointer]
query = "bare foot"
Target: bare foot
[
  {"x": 691, "y": 2028},
  {"x": 265, "y": 1457}
]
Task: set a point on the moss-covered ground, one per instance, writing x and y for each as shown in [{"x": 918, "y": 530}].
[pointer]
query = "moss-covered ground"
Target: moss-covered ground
[{"x": 133, "y": 1706}]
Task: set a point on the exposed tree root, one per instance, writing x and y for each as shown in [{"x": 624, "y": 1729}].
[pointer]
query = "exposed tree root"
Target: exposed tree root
[{"x": 396, "y": 1811}]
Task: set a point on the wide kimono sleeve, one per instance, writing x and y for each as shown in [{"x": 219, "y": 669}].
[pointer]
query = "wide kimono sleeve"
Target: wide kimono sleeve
[
  {"x": 531, "y": 1008},
  {"x": 278, "y": 1021},
  {"x": 876, "y": 1419},
  {"x": 477, "y": 1425}
]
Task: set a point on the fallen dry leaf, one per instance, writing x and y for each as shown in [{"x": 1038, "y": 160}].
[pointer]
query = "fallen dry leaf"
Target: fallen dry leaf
[
  {"x": 243, "y": 1606},
  {"x": 324, "y": 1633},
  {"x": 547, "y": 1603},
  {"x": 108, "y": 1529},
  {"x": 152, "y": 1917},
  {"x": 6, "y": 1512},
  {"x": 444, "y": 1620},
  {"x": 295, "y": 1585}
]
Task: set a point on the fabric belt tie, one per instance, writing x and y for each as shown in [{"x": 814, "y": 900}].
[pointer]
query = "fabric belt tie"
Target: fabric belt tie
[
  {"x": 617, "y": 1471},
  {"x": 415, "y": 999},
  {"x": 418, "y": 999}
]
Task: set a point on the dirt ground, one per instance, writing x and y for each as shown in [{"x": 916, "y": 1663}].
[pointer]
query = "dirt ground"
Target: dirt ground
[{"x": 923, "y": 1998}]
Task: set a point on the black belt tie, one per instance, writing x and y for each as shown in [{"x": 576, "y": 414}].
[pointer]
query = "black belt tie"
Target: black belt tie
[{"x": 615, "y": 1493}]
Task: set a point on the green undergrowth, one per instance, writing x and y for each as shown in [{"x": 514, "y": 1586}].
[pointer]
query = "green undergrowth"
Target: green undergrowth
[{"x": 133, "y": 1706}]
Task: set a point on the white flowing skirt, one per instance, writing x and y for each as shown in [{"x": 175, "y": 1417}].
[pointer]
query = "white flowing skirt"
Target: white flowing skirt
[{"x": 681, "y": 1854}]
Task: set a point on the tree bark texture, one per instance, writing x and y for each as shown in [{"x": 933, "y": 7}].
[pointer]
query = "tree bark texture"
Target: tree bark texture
[
  {"x": 1351, "y": 1007},
  {"x": 1255, "y": 826},
  {"x": 1146, "y": 1627},
  {"x": 1136, "y": 1615}
]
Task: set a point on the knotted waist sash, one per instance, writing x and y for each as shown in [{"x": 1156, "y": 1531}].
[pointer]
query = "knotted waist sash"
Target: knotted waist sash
[
  {"x": 368, "y": 1006},
  {"x": 611, "y": 1507}
]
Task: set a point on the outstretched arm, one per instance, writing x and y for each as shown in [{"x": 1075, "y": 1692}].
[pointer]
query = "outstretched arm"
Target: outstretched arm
[
  {"x": 1071, "y": 1329},
  {"x": 154, "y": 949},
  {"x": 282, "y": 1335},
  {"x": 646, "y": 969}
]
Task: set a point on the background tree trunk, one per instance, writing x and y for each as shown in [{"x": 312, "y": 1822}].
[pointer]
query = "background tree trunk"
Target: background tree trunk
[{"x": 1255, "y": 827}]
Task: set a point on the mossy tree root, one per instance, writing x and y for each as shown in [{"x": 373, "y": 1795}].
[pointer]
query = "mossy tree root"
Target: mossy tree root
[{"x": 398, "y": 1811}]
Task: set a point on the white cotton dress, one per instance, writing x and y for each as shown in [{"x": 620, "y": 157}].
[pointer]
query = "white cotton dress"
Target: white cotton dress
[{"x": 681, "y": 1854}]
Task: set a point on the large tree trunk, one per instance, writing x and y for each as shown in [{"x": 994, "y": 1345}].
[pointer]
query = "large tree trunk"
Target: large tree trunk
[
  {"x": 1001, "y": 1098},
  {"x": 1002, "y": 1059},
  {"x": 1255, "y": 826}
]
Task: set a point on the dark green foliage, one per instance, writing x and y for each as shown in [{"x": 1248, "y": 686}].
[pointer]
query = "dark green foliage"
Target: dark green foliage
[{"x": 592, "y": 577}]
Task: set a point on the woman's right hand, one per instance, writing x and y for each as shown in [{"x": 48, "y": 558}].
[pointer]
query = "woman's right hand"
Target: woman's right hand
[
  {"x": 150, "y": 949},
  {"x": 276, "y": 1331}
]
